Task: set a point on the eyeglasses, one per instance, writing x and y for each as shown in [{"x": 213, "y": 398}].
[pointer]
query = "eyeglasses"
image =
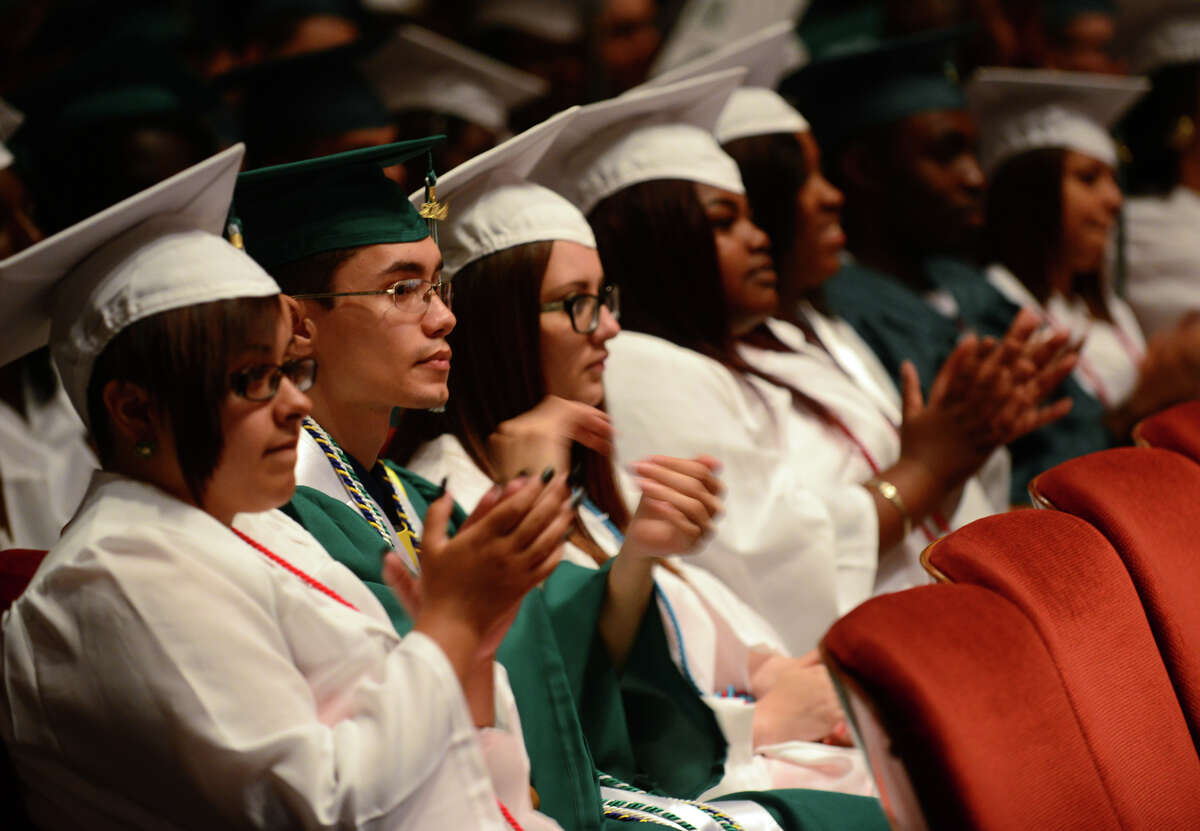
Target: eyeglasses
[
  {"x": 584, "y": 309},
  {"x": 261, "y": 382},
  {"x": 411, "y": 296}
]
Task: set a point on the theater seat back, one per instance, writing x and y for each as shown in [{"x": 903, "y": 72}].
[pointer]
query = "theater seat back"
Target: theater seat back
[
  {"x": 973, "y": 708},
  {"x": 1069, "y": 582},
  {"x": 1176, "y": 428},
  {"x": 1146, "y": 502}
]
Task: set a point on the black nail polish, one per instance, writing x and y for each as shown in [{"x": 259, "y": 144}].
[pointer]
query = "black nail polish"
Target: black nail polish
[
  {"x": 442, "y": 487},
  {"x": 547, "y": 474}
]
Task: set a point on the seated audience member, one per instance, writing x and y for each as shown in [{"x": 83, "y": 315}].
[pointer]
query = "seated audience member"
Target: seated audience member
[
  {"x": 1052, "y": 204},
  {"x": 314, "y": 104},
  {"x": 1080, "y": 36},
  {"x": 798, "y": 543},
  {"x": 903, "y": 153},
  {"x": 821, "y": 354},
  {"x": 361, "y": 261},
  {"x": 459, "y": 93},
  {"x": 187, "y": 657},
  {"x": 1162, "y": 250},
  {"x": 45, "y": 460},
  {"x": 526, "y": 273}
]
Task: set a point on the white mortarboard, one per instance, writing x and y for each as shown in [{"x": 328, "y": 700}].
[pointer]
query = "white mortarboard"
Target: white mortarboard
[
  {"x": 645, "y": 134},
  {"x": 158, "y": 250},
  {"x": 755, "y": 109},
  {"x": 1157, "y": 33},
  {"x": 558, "y": 21},
  {"x": 493, "y": 207},
  {"x": 704, "y": 26},
  {"x": 1028, "y": 109},
  {"x": 449, "y": 78}
]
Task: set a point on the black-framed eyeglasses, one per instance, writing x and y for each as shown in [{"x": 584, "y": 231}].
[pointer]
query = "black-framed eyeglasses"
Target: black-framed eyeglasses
[
  {"x": 584, "y": 309},
  {"x": 261, "y": 381},
  {"x": 412, "y": 295}
]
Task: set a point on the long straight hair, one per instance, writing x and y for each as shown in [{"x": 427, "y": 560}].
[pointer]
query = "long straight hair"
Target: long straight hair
[
  {"x": 497, "y": 371},
  {"x": 1023, "y": 216},
  {"x": 656, "y": 242}
]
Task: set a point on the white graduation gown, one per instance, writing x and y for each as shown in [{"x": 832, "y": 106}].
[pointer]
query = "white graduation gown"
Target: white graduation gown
[
  {"x": 1110, "y": 361},
  {"x": 711, "y": 633},
  {"x": 1162, "y": 256},
  {"x": 161, "y": 673},
  {"x": 850, "y": 381},
  {"x": 45, "y": 466}
]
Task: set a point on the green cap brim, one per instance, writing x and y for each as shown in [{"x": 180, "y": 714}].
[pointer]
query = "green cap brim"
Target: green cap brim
[{"x": 292, "y": 211}]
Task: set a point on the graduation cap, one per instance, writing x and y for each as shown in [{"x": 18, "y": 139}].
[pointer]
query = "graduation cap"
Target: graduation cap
[
  {"x": 645, "y": 134},
  {"x": 1019, "y": 110},
  {"x": 495, "y": 207},
  {"x": 292, "y": 211},
  {"x": 754, "y": 109},
  {"x": 846, "y": 94},
  {"x": 1153, "y": 34},
  {"x": 451, "y": 79},
  {"x": 123, "y": 78},
  {"x": 706, "y": 26},
  {"x": 158, "y": 250},
  {"x": 286, "y": 102}
]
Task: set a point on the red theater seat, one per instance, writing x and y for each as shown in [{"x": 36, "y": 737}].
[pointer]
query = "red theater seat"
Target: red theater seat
[
  {"x": 1069, "y": 582},
  {"x": 17, "y": 566},
  {"x": 1147, "y": 503},
  {"x": 1176, "y": 428},
  {"x": 972, "y": 706}
]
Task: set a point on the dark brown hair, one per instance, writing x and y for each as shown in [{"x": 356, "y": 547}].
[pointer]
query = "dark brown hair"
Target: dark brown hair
[
  {"x": 312, "y": 275},
  {"x": 656, "y": 242},
  {"x": 181, "y": 358},
  {"x": 1023, "y": 216},
  {"x": 773, "y": 170},
  {"x": 497, "y": 367}
]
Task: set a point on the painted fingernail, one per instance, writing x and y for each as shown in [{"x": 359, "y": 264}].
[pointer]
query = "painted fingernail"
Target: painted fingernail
[
  {"x": 547, "y": 474},
  {"x": 576, "y": 497},
  {"x": 442, "y": 487}
]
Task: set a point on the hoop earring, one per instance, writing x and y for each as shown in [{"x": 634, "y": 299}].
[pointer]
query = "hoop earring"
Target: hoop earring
[{"x": 145, "y": 449}]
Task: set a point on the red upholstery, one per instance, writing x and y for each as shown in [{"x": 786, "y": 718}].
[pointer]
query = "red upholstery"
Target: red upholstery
[
  {"x": 1147, "y": 503},
  {"x": 1176, "y": 428},
  {"x": 1072, "y": 586},
  {"x": 17, "y": 566},
  {"x": 973, "y": 707}
]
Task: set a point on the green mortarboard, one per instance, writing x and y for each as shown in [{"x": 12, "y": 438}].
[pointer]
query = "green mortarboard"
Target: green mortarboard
[
  {"x": 844, "y": 95},
  {"x": 292, "y": 211},
  {"x": 292, "y": 100},
  {"x": 126, "y": 77}
]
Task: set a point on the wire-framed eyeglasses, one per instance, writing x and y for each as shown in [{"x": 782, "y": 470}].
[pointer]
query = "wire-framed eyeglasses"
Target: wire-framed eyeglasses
[
  {"x": 412, "y": 295},
  {"x": 584, "y": 309},
  {"x": 261, "y": 381}
]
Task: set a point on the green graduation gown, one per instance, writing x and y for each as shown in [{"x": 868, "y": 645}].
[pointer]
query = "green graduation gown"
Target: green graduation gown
[
  {"x": 899, "y": 324},
  {"x": 646, "y": 725}
]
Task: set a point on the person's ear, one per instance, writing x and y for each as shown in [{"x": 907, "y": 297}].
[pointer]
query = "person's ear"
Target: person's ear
[
  {"x": 131, "y": 413},
  {"x": 304, "y": 329}
]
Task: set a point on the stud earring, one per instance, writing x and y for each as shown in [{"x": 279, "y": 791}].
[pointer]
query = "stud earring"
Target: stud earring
[{"x": 145, "y": 449}]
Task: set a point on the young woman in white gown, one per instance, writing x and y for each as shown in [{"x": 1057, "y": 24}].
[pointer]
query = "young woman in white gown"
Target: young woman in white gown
[{"x": 186, "y": 657}]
